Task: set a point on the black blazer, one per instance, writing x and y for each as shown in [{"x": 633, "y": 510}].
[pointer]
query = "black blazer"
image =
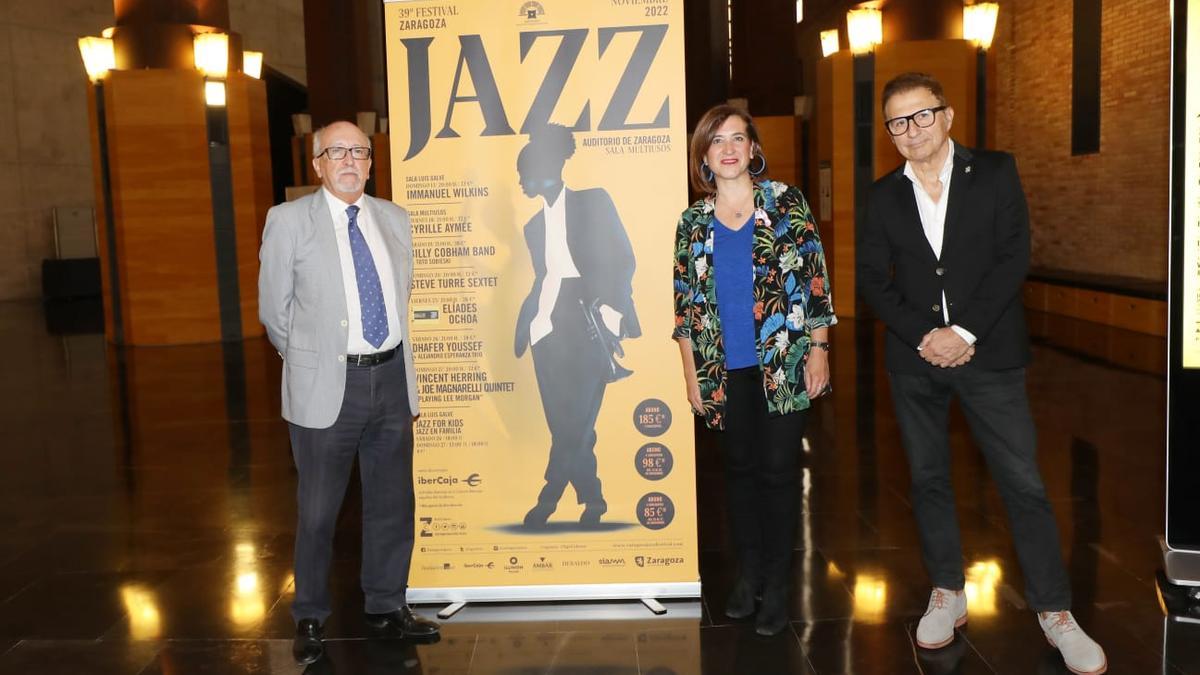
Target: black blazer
[
  {"x": 985, "y": 256},
  {"x": 601, "y": 252}
]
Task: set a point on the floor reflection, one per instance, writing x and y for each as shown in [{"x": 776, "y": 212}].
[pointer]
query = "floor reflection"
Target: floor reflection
[{"x": 149, "y": 500}]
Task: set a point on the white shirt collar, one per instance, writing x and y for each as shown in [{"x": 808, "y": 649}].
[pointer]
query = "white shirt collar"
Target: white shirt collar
[
  {"x": 337, "y": 207},
  {"x": 943, "y": 175}
]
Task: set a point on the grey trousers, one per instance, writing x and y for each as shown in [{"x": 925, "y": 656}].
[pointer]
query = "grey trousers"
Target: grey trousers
[{"x": 376, "y": 426}]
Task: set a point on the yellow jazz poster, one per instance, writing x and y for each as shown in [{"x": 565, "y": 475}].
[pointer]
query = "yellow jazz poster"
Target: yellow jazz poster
[{"x": 539, "y": 147}]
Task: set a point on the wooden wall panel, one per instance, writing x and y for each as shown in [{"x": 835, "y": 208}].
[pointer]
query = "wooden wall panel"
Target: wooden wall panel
[
  {"x": 778, "y": 136},
  {"x": 1140, "y": 315},
  {"x": 1034, "y": 293},
  {"x": 381, "y": 165},
  {"x": 1091, "y": 305},
  {"x": 836, "y": 146},
  {"x": 1060, "y": 300},
  {"x": 162, "y": 206}
]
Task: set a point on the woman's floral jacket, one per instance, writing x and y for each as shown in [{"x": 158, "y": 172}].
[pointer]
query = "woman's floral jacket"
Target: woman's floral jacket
[{"x": 791, "y": 297}]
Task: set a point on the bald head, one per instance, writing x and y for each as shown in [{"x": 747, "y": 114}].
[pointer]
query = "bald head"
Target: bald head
[{"x": 345, "y": 177}]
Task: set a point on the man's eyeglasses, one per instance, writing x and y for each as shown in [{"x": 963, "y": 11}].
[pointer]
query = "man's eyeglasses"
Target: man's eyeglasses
[
  {"x": 922, "y": 118},
  {"x": 338, "y": 153}
]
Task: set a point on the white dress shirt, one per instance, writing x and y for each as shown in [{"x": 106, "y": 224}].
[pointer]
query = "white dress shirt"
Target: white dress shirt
[
  {"x": 559, "y": 265},
  {"x": 357, "y": 344},
  {"x": 933, "y": 221}
]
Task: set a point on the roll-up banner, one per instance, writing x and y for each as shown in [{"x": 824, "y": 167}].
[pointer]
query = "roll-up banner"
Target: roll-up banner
[
  {"x": 540, "y": 149},
  {"x": 1183, "y": 309}
]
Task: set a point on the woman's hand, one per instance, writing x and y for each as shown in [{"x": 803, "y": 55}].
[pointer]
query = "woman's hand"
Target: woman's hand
[
  {"x": 693, "y": 397},
  {"x": 691, "y": 381},
  {"x": 816, "y": 372}
]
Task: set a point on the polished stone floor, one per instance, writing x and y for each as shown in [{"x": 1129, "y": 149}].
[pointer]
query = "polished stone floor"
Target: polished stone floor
[{"x": 147, "y": 496}]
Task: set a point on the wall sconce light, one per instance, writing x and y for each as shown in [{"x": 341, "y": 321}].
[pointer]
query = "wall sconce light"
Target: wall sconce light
[
  {"x": 979, "y": 23},
  {"x": 211, "y": 51},
  {"x": 799, "y": 11},
  {"x": 829, "y": 42},
  {"x": 865, "y": 29},
  {"x": 98, "y": 56},
  {"x": 252, "y": 64},
  {"x": 214, "y": 93}
]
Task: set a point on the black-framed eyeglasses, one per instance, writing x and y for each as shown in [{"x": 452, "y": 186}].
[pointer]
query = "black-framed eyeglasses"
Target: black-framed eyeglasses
[
  {"x": 922, "y": 118},
  {"x": 338, "y": 153}
]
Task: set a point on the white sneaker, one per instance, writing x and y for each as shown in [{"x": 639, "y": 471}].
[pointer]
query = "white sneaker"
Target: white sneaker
[
  {"x": 947, "y": 610},
  {"x": 1080, "y": 652}
]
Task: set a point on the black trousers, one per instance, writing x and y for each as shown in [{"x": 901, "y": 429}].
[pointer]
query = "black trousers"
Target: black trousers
[
  {"x": 997, "y": 409},
  {"x": 570, "y": 377},
  {"x": 376, "y": 425},
  {"x": 762, "y": 454}
]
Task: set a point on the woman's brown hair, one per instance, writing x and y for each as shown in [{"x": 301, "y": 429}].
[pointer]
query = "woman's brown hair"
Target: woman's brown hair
[{"x": 702, "y": 138}]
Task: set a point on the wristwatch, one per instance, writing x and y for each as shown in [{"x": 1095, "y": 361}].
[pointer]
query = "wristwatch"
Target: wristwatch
[{"x": 820, "y": 345}]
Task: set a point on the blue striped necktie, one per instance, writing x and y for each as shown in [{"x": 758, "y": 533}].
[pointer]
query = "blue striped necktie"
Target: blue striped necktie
[{"x": 370, "y": 291}]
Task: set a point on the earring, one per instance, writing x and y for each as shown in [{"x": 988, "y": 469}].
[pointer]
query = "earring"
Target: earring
[
  {"x": 761, "y": 169},
  {"x": 707, "y": 173}
]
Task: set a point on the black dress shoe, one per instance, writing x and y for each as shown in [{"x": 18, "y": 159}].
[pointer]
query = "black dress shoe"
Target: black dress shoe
[
  {"x": 307, "y": 647},
  {"x": 773, "y": 614},
  {"x": 741, "y": 600},
  {"x": 403, "y": 623},
  {"x": 592, "y": 512}
]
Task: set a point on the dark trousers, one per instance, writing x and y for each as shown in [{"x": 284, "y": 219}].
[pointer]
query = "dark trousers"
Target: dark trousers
[
  {"x": 997, "y": 409},
  {"x": 376, "y": 425},
  {"x": 761, "y": 456},
  {"x": 570, "y": 377}
]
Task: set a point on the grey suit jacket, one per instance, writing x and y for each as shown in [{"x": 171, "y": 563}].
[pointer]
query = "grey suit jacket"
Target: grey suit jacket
[{"x": 302, "y": 302}]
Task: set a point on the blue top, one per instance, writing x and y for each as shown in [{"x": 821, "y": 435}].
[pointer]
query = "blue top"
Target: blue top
[{"x": 733, "y": 265}]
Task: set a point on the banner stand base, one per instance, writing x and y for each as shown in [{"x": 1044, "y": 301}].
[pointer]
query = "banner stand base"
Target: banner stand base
[
  {"x": 648, "y": 594},
  {"x": 1178, "y": 582},
  {"x": 654, "y": 606},
  {"x": 451, "y": 609}
]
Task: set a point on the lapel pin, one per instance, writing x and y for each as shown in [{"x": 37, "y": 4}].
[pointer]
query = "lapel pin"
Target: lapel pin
[{"x": 968, "y": 169}]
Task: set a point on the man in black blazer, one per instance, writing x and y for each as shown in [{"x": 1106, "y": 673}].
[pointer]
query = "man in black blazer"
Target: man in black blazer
[{"x": 942, "y": 253}]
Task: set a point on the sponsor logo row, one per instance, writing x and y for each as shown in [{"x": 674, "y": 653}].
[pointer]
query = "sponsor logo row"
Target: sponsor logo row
[{"x": 515, "y": 563}]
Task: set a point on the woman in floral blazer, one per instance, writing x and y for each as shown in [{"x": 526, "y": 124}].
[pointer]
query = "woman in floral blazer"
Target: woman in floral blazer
[{"x": 752, "y": 316}]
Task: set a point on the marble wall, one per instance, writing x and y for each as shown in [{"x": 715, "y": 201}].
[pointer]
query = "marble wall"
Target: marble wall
[{"x": 45, "y": 155}]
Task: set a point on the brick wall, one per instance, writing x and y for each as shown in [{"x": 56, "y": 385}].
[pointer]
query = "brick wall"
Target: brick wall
[{"x": 1104, "y": 213}]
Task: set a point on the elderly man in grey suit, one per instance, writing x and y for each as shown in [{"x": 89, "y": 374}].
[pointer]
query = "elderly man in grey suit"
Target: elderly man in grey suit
[{"x": 336, "y": 268}]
